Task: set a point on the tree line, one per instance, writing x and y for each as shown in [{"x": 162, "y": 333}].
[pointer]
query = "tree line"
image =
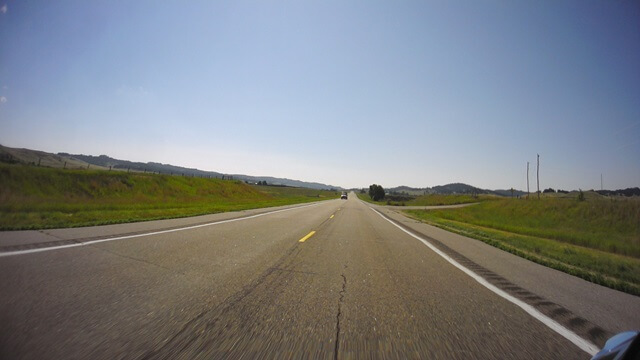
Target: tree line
[{"x": 376, "y": 192}]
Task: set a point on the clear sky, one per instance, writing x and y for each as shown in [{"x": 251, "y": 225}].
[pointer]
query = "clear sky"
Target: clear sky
[{"x": 348, "y": 93}]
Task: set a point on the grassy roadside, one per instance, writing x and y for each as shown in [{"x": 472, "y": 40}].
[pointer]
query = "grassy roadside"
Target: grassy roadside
[
  {"x": 431, "y": 200},
  {"x": 597, "y": 240},
  {"x": 38, "y": 198}
]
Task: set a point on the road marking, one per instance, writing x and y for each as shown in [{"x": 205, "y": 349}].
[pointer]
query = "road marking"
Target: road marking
[
  {"x": 331, "y": 217},
  {"x": 307, "y": 237},
  {"x": 583, "y": 344},
  {"x": 31, "y": 251}
]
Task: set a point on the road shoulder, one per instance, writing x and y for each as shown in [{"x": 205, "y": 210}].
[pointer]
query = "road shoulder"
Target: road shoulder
[
  {"x": 16, "y": 240},
  {"x": 545, "y": 287}
]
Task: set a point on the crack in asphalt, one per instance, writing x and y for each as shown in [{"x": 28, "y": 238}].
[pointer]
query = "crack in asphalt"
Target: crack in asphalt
[
  {"x": 339, "y": 315},
  {"x": 137, "y": 260},
  {"x": 48, "y": 233}
]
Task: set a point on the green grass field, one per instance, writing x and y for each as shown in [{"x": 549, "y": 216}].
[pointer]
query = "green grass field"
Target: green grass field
[
  {"x": 36, "y": 198},
  {"x": 597, "y": 239},
  {"x": 431, "y": 200}
]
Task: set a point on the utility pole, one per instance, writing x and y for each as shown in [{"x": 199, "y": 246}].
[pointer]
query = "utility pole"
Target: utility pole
[
  {"x": 527, "y": 179},
  {"x": 538, "y": 175},
  {"x": 601, "y": 184}
]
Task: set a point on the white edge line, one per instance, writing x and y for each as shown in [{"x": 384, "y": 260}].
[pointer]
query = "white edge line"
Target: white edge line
[
  {"x": 583, "y": 344},
  {"x": 31, "y": 251}
]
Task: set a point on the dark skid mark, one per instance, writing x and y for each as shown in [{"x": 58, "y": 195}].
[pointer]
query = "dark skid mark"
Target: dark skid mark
[
  {"x": 48, "y": 244},
  {"x": 187, "y": 334},
  {"x": 295, "y": 271}
]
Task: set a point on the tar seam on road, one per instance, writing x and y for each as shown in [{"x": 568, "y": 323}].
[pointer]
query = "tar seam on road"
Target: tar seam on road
[
  {"x": 581, "y": 343},
  {"x": 30, "y": 251},
  {"x": 339, "y": 315}
]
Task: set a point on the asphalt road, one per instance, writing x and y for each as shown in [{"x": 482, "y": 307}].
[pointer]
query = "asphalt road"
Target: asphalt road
[{"x": 243, "y": 285}]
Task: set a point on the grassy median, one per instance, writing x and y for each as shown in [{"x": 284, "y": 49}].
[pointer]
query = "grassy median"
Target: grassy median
[
  {"x": 597, "y": 239},
  {"x": 429, "y": 199},
  {"x": 37, "y": 198}
]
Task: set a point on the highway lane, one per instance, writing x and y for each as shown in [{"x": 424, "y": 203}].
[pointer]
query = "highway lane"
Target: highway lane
[{"x": 359, "y": 287}]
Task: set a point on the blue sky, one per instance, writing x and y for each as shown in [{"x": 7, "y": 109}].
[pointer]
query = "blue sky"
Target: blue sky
[{"x": 346, "y": 93}]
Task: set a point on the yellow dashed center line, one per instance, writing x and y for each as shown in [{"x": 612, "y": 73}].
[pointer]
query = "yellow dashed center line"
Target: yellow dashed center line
[
  {"x": 307, "y": 237},
  {"x": 331, "y": 216}
]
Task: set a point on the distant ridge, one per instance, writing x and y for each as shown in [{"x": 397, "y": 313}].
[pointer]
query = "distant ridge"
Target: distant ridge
[
  {"x": 460, "y": 188},
  {"x": 453, "y": 188},
  {"x": 104, "y": 162}
]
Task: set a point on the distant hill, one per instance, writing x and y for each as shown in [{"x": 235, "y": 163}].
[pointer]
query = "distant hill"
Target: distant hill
[
  {"x": 454, "y": 188},
  {"x": 104, "y": 162},
  {"x": 107, "y": 162},
  {"x": 286, "y": 182},
  {"x": 508, "y": 192},
  {"x": 408, "y": 190},
  {"x": 458, "y": 188},
  {"x": 41, "y": 158},
  {"x": 626, "y": 192}
]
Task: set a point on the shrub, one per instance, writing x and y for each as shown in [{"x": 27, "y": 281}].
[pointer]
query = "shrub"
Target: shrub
[{"x": 580, "y": 196}]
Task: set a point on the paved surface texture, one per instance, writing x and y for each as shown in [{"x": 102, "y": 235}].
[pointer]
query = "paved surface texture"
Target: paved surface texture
[{"x": 358, "y": 288}]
